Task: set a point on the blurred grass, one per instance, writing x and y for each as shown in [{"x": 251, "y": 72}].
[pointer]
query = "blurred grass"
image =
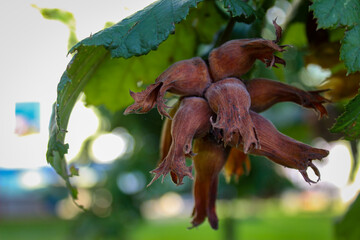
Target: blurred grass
[
  {"x": 275, "y": 228},
  {"x": 30, "y": 229},
  {"x": 299, "y": 227}
]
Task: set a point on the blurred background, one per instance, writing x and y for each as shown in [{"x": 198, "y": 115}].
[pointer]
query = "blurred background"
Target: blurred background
[{"x": 114, "y": 153}]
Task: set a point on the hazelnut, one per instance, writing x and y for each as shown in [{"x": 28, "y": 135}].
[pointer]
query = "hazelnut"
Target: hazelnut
[{"x": 230, "y": 101}]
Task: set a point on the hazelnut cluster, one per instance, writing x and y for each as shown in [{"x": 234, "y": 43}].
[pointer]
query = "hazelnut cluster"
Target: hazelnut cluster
[{"x": 216, "y": 121}]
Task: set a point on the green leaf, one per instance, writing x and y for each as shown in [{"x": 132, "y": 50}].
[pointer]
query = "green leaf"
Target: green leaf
[
  {"x": 206, "y": 21},
  {"x": 350, "y": 49},
  {"x": 143, "y": 31},
  {"x": 74, "y": 171},
  {"x": 57, "y": 14},
  {"x": 349, "y": 122},
  {"x": 112, "y": 81},
  {"x": 336, "y": 13},
  {"x": 65, "y": 17},
  {"x": 136, "y": 35},
  {"x": 240, "y": 10},
  {"x": 346, "y": 228},
  {"x": 72, "y": 82}
]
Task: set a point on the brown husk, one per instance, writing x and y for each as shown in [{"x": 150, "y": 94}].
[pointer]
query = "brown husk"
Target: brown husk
[
  {"x": 237, "y": 164},
  {"x": 265, "y": 93},
  {"x": 191, "y": 120},
  {"x": 185, "y": 78},
  {"x": 230, "y": 101},
  {"x": 284, "y": 150},
  {"x": 209, "y": 160}
]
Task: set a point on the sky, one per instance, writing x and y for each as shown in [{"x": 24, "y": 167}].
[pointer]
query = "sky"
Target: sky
[{"x": 33, "y": 58}]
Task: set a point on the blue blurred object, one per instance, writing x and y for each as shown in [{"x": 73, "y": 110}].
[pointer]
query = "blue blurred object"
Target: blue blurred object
[
  {"x": 27, "y": 118},
  {"x": 29, "y": 193}
]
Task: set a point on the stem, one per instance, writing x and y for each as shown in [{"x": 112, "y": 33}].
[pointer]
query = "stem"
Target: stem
[
  {"x": 354, "y": 151},
  {"x": 225, "y": 36},
  {"x": 229, "y": 223}
]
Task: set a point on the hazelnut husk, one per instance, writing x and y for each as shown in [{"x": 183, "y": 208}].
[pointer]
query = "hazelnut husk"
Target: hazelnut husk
[
  {"x": 285, "y": 150},
  {"x": 190, "y": 121},
  {"x": 231, "y": 102},
  {"x": 165, "y": 137},
  {"x": 216, "y": 111},
  {"x": 237, "y": 164},
  {"x": 209, "y": 160},
  {"x": 185, "y": 78},
  {"x": 265, "y": 93},
  {"x": 236, "y": 57}
]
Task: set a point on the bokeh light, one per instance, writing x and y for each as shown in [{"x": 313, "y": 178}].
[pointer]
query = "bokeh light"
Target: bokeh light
[
  {"x": 276, "y": 12},
  {"x": 102, "y": 202},
  {"x": 131, "y": 183},
  {"x": 314, "y": 75},
  {"x": 83, "y": 123},
  {"x": 108, "y": 147},
  {"x": 340, "y": 155},
  {"x": 32, "y": 179},
  {"x": 170, "y": 204},
  {"x": 67, "y": 209},
  {"x": 88, "y": 177}
]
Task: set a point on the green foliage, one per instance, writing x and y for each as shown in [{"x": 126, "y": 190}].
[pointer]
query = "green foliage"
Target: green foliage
[
  {"x": 350, "y": 49},
  {"x": 78, "y": 72},
  {"x": 346, "y": 228},
  {"x": 240, "y": 10},
  {"x": 334, "y": 14},
  {"x": 143, "y": 31},
  {"x": 110, "y": 84},
  {"x": 349, "y": 122}
]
